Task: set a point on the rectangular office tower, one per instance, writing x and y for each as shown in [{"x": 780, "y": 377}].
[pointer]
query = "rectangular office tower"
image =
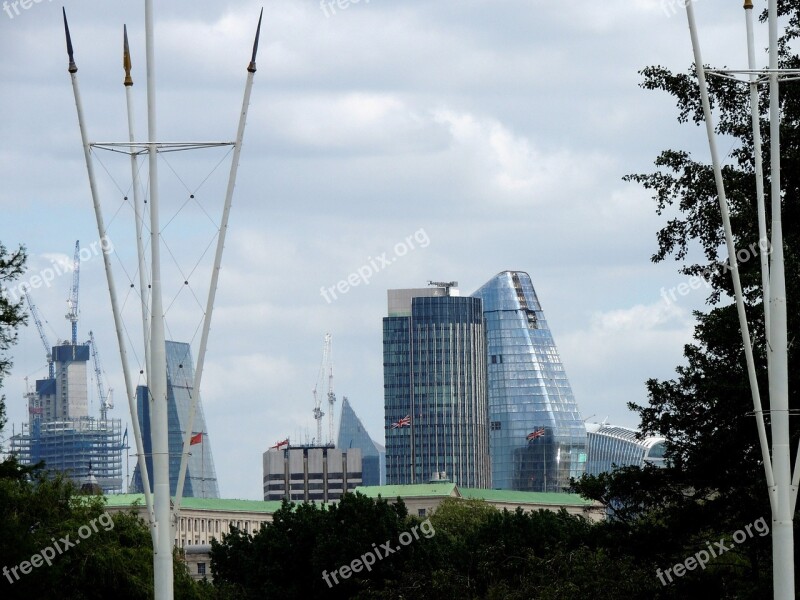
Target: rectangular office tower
[
  {"x": 434, "y": 373},
  {"x": 536, "y": 434}
]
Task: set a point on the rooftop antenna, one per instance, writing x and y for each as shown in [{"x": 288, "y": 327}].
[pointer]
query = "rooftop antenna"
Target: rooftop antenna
[{"x": 782, "y": 484}]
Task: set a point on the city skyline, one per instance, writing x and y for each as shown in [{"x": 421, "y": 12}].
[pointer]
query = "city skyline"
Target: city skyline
[{"x": 343, "y": 162}]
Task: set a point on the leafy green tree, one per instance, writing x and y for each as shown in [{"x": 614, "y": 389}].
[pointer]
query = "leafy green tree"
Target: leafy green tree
[
  {"x": 714, "y": 484},
  {"x": 12, "y": 315}
]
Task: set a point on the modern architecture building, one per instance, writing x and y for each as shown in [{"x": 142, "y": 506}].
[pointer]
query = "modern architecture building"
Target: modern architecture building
[
  {"x": 201, "y": 476},
  {"x": 353, "y": 434},
  {"x": 60, "y": 432},
  {"x": 537, "y": 438},
  {"x": 434, "y": 373},
  {"x": 612, "y": 446},
  {"x": 311, "y": 473}
]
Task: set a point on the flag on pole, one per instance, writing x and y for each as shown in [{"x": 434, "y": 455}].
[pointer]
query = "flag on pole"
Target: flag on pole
[
  {"x": 535, "y": 434},
  {"x": 197, "y": 438},
  {"x": 280, "y": 445},
  {"x": 404, "y": 422}
]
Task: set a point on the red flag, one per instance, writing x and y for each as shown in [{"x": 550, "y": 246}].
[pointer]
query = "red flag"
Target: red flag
[
  {"x": 197, "y": 438},
  {"x": 279, "y": 445}
]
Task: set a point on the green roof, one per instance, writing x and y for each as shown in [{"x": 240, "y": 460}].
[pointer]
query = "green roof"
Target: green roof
[
  {"x": 515, "y": 497},
  {"x": 408, "y": 491},
  {"x": 259, "y": 506}
]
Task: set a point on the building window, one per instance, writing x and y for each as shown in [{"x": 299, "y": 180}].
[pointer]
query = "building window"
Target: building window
[
  {"x": 201, "y": 568},
  {"x": 495, "y": 426},
  {"x": 421, "y": 512}
]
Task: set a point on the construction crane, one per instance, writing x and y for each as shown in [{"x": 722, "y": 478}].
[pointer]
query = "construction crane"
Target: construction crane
[
  {"x": 106, "y": 400},
  {"x": 51, "y": 370},
  {"x": 331, "y": 395},
  {"x": 318, "y": 414},
  {"x": 72, "y": 301}
]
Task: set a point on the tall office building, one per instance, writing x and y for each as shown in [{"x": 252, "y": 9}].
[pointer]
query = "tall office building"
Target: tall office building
[
  {"x": 610, "y": 446},
  {"x": 537, "y": 438},
  {"x": 434, "y": 372},
  {"x": 201, "y": 476},
  {"x": 352, "y": 434},
  {"x": 60, "y": 431}
]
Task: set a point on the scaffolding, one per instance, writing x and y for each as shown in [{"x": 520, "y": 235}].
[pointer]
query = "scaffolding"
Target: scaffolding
[{"x": 72, "y": 447}]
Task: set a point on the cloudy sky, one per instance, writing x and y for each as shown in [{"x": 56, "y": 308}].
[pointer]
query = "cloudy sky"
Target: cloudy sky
[{"x": 451, "y": 139}]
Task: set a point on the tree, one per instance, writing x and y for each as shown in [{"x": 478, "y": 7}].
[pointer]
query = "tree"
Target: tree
[
  {"x": 12, "y": 316},
  {"x": 714, "y": 483}
]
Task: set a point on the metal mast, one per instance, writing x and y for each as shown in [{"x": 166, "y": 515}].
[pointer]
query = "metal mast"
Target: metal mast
[
  {"x": 782, "y": 485},
  {"x": 72, "y": 301},
  {"x": 160, "y": 510}
]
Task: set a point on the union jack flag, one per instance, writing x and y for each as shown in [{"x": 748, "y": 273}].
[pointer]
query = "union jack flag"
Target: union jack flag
[
  {"x": 535, "y": 434},
  {"x": 404, "y": 422}
]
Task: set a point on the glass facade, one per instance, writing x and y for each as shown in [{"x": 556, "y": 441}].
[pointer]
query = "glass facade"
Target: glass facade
[
  {"x": 352, "y": 434},
  {"x": 201, "y": 476},
  {"x": 434, "y": 367},
  {"x": 537, "y": 438},
  {"x": 611, "y": 446}
]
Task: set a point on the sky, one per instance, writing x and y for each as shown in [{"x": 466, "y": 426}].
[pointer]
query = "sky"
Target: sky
[{"x": 389, "y": 143}]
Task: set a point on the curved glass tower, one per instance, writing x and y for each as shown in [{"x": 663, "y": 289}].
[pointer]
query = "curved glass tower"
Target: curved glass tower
[{"x": 537, "y": 439}]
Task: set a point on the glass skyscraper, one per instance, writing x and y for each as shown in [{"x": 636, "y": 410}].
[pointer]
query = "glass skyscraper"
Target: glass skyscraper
[
  {"x": 434, "y": 372},
  {"x": 537, "y": 438},
  {"x": 201, "y": 476},
  {"x": 352, "y": 434}
]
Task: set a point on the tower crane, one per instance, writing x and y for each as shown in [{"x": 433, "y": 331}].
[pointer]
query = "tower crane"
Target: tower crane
[
  {"x": 106, "y": 400},
  {"x": 72, "y": 301},
  {"x": 318, "y": 414},
  {"x": 51, "y": 371},
  {"x": 331, "y": 395}
]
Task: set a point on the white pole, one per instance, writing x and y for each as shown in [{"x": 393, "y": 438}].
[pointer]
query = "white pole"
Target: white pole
[
  {"x": 137, "y": 208},
  {"x": 157, "y": 377},
  {"x": 782, "y": 526},
  {"x": 212, "y": 290},
  {"x": 737, "y": 284},
  {"x": 755, "y": 117},
  {"x": 112, "y": 290},
  {"x": 143, "y": 471}
]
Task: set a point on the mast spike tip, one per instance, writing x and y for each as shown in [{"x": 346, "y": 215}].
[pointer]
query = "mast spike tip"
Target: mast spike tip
[
  {"x": 73, "y": 68},
  {"x": 126, "y": 57},
  {"x": 252, "y": 67}
]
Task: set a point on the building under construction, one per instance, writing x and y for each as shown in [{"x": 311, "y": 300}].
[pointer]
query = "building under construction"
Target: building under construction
[{"x": 60, "y": 432}]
